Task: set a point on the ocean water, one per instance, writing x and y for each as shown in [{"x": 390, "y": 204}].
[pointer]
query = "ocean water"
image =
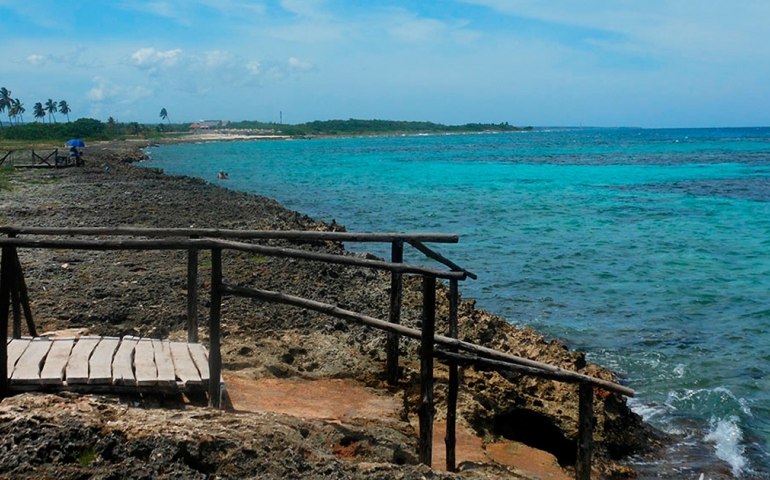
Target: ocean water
[{"x": 648, "y": 249}]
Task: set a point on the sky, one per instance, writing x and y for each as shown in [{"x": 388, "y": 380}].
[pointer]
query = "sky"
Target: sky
[{"x": 630, "y": 63}]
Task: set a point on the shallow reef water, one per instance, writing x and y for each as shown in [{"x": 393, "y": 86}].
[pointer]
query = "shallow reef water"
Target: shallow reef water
[{"x": 648, "y": 249}]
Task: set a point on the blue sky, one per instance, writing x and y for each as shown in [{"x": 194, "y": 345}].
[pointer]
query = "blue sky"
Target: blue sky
[{"x": 652, "y": 63}]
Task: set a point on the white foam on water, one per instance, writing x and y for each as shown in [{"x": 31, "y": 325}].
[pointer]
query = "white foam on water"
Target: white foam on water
[
  {"x": 727, "y": 438},
  {"x": 724, "y": 433},
  {"x": 647, "y": 411}
]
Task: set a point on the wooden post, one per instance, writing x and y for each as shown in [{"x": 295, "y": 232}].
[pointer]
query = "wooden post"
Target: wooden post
[
  {"x": 21, "y": 287},
  {"x": 5, "y": 298},
  {"x": 215, "y": 355},
  {"x": 15, "y": 300},
  {"x": 192, "y": 295},
  {"x": 396, "y": 286},
  {"x": 451, "y": 403},
  {"x": 585, "y": 432},
  {"x": 15, "y": 305},
  {"x": 426, "y": 410}
]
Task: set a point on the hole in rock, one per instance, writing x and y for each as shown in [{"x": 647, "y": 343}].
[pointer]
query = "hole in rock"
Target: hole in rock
[{"x": 537, "y": 431}]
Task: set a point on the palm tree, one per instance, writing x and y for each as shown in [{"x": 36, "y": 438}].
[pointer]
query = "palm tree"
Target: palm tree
[
  {"x": 111, "y": 125},
  {"x": 5, "y": 100},
  {"x": 11, "y": 114},
  {"x": 17, "y": 109},
  {"x": 50, "y": 107},
  {"x": 65, "y": 109},
  {"x": 39, "y": 111},
  {"x": 164, "y": 115}
]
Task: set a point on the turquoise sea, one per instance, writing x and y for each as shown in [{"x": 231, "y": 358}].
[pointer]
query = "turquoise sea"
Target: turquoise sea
[{"x": 648, "y": 249}]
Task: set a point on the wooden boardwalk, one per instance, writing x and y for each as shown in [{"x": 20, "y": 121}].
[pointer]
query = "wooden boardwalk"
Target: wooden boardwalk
[{"x": 107, "y": 364}]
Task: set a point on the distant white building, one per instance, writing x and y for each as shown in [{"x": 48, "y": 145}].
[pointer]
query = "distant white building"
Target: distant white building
[{"x": 209, "y": 124}]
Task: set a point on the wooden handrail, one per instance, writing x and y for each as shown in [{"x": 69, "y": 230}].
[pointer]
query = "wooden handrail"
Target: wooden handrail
[
  {"x": 488, "y": 353},
  {"x": 188, "y": 243},
  {"x": 494, "y": 359},
  {"x": 440, "y": 258},
  {"x": 234, "y": 234}
]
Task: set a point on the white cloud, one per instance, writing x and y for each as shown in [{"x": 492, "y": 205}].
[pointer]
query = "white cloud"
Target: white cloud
[
  {"x": 235, "y": 8},
  {"x": 218, "y": 59},
  {"x": 188, "y": 12},
  {"x": 310, "y": 33},
  {"x": 77, "y": 57},
  {"x": 162, "y": 9},
  {"x": 143, "y": 55},
  {"x": 210, "y": 72},
  {"x": 305, "y": 8},
  {"x": 254, "y": 68},
  {"x": 107, "y": 91},
  {"x": 418, "y": 29},
  {"x": 97, "y": 92},
  {"x": 297, "y": 65},
  {"x": 712, "y": 30},
  {"x": 151, "y": 59},
  {"x": 410, "y": 27}
]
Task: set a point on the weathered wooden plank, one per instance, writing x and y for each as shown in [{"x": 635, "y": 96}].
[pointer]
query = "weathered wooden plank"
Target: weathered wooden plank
[
  {"x": 122, "y": 364},
  {"x": 100, "y": 364},
  {"x": 164, "y": 362},
  {"x": 56, "y": 362},
  {"x": 144, "y": 362},
  {"x": 27, "y": 369},
  {"x": 77, "y": 367},
  {"x": 184, "y": 367},
  {"x": 15, "y": 348},
  {"x": 201, "y": 359}
]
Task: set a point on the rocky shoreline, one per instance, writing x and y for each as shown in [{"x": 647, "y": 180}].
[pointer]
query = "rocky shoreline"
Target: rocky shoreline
[{"x": 143, "y": 294}]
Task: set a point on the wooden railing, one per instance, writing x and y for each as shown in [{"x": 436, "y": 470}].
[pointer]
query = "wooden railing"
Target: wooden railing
[
  {"x": 13, "y": 292},
  {"x": 49, "y": 158}
]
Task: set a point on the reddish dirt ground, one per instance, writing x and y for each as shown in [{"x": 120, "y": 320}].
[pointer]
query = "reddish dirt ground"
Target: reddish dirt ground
[
  {"x": 342, "y": 401},
  {"x": 332, "y": 400}
]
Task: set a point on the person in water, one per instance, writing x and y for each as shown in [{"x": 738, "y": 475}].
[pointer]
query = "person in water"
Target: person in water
[{"x": 223, "y": 175}]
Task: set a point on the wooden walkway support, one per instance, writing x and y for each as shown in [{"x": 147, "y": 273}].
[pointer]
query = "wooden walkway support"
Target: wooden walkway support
[
  {"x": 426, "y": 409},
  {"x": 106, "y": 364},
  {"x": 135, "y": 364},
  {"x": 396, "y": 288},
  {"x": 450, "y": 440}
]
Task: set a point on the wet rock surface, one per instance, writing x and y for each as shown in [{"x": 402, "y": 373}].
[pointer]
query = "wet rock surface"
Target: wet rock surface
[{"x": 144, "y": 294}]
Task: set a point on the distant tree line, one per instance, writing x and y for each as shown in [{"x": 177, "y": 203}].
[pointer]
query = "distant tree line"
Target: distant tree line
[
  {"x": 373, "y": 127},
  {"x": 81, "y": 128},
  {"x": 92, "y": 129},
  {"x": 84, "y": 128}
]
